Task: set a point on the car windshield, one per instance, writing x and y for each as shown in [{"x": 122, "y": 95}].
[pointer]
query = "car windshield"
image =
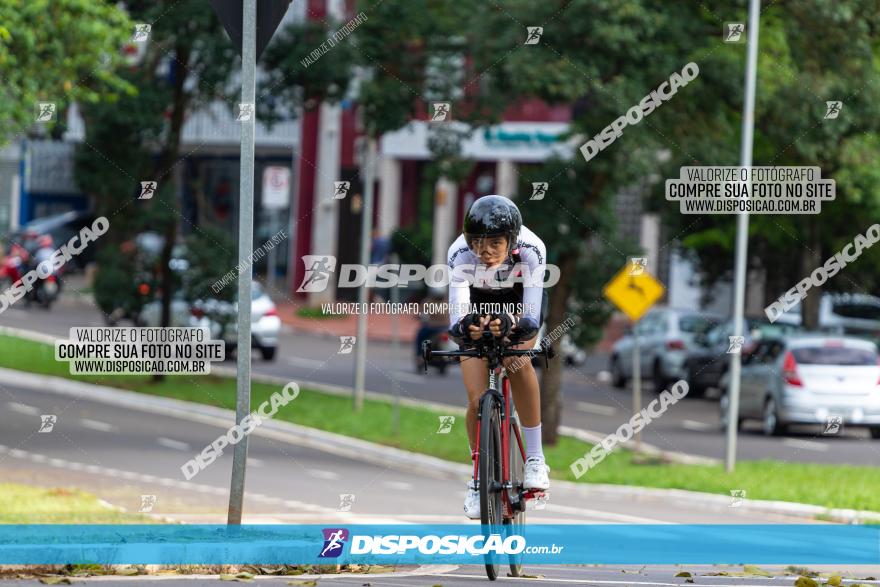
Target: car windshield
[
  {"x": 696, "y": 323},
  {"x": 834, "y": 355}
]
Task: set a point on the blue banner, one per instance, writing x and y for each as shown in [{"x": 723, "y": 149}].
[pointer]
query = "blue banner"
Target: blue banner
[{"x": 437, "y": 544}]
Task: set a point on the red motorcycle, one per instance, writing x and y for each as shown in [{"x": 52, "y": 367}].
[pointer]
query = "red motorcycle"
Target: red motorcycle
[{"x": 13, "y": 266}]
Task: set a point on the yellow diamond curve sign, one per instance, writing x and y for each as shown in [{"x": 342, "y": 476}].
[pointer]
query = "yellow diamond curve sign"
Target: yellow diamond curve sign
[{"x": 633, "y": 290}]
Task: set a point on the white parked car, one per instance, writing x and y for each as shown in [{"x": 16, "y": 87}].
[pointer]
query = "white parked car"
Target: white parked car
[
  {"x": 833, "y": 381},
  {"x": 212, "y": 313}
]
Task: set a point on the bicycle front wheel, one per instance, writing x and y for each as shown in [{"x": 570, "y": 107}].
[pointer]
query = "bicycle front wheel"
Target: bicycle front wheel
[
  {"x": 490, "y": 475},
  {"x": 516, "y": 524}
]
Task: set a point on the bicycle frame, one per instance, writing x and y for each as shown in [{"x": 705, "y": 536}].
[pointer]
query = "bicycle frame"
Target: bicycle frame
[{"x": 495, "y": 351}]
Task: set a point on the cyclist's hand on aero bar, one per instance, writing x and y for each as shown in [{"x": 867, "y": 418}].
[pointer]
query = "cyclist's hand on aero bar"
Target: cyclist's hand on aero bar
[
  {"x": 476, "y": 331},
  {"x": 501, "y": 325}
]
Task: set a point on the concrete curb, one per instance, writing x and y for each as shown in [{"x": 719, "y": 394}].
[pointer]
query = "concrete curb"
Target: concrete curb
[{"x": 383, "y": 455}]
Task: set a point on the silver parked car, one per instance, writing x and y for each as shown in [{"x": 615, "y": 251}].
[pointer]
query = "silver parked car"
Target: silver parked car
[
  {"x": 809, "y": 379},
  {"x": 665, "y": 334}
]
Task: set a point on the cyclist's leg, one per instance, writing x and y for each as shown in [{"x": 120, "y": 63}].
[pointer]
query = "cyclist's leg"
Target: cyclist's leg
[
  {"x": 524, "y": 385},
  {"x": 475, "y": 374}
]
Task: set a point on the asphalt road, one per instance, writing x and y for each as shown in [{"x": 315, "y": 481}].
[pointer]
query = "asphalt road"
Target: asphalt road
[
  {"x": 691, "y": 426},
  {"x": 121, "y": 453}
]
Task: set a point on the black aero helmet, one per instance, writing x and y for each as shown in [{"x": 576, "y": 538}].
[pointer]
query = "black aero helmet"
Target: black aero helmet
[{"x": 492, "y": 216}]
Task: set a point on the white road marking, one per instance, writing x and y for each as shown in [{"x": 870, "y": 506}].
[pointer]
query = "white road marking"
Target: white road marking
[
  {"x": 256, "y": 462},
  {"x": 23, "y": 408},
  {"x": 404, "y": 376},
  {"x": 97, "y": 425},
  {"x": 597, "y": 514},
  {"x": 188, "y": 485},
  {"x": 398, "y": 485},
  {"x": 319, "y": 474},
  {"x": 600, "y": 409},
  {"x": 174, "y": 444},
  {"x": 805, "y": 444},
  {"x": 695, "y": 425},
  {"x": 302, "y": 362}
]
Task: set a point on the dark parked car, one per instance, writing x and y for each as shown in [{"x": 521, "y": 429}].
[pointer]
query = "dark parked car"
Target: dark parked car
[{"x": 707, "y": 359}]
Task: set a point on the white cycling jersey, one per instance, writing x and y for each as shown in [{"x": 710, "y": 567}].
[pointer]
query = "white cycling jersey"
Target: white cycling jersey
[{"x": 532, "y": 252}]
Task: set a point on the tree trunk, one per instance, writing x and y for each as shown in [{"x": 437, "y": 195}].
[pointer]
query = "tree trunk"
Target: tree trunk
[
  {"x": 811, "y": 258},
  {"x": 165, "y": 172},
  {"x": 551, "y": 379}
]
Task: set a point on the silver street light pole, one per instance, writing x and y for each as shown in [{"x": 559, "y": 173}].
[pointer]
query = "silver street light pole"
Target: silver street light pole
[
  {"x": 742, "y": 234},
  {"x": 245, "y": 250},
  {"x": 366, "y": 225}
]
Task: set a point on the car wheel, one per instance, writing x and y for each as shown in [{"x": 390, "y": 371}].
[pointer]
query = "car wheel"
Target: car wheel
[
  {"x": 694, "y": 390},
  {"x": 268, "y": 352},
  {"x": 724, "y": 409},
  {"x": 770, "y": 423},
  {"x": 658, "y": 378},
  {"x": 617, "y": 377},
  {"x": 875, "y": 432}
]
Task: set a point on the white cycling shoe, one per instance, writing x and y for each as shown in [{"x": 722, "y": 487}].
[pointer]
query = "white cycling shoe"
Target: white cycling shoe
[
  {"x": 472, "y": 502},
  {"x": 536, "y": 474}
]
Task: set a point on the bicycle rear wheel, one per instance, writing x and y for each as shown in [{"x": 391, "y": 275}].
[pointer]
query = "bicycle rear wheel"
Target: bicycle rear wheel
[
  {"x": 517, "y": 524},
  {"x": 490, "y": 475}
]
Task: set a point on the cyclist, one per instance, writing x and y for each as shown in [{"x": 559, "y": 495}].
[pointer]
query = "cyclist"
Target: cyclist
[{"x": 494, "y": 236}]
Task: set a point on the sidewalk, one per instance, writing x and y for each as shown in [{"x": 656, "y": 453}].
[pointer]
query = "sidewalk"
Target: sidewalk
[{"x": 380, "y": 327}]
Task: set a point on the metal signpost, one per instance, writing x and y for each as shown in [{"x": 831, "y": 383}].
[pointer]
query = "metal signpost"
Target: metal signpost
[
  {"x": 633, "y": 290},
  {"x": 240, "y": 21},
  {"x": 742, "y": 236},
  {"x": 276, "y": 196},
  {"x": 369, "y": 173}
]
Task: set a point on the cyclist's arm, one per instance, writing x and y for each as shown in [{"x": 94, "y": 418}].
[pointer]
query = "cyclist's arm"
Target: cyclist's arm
[
  {"x": 459, "y": 288},
  {"x": 534, "y": 255}
]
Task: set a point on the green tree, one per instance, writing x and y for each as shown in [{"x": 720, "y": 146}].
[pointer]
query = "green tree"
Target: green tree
[
  {"x": 810, "y": 52},
  {"x": 188, "y": 65},
  {"x": 57, "y": 51}
]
